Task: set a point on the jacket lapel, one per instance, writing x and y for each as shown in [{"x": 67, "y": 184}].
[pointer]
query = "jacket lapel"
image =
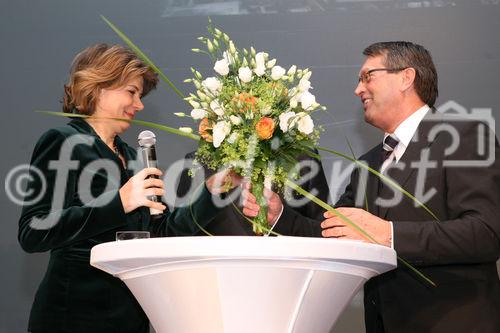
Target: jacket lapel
[
  {"x": 374, "y": 160},
  {"x": 406, "y": 165},
  {"x": 84, "y": 128},
  {"x": 101, "y": 149}
]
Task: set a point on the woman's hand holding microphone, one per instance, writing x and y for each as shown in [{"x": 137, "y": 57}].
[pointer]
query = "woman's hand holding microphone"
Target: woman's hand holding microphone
[{"x": 139, "y": 188}]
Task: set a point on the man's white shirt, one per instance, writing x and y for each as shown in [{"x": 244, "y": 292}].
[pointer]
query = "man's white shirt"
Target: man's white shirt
[{"x": 403, "y": 133}]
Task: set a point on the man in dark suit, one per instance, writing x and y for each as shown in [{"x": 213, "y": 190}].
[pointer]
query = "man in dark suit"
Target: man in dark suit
[
  {"x": 443, "y": 160},
  {"x": 230, "y": 219}
]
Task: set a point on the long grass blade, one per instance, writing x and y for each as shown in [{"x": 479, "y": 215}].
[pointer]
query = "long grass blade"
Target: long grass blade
[
  {"x": 327, "y": 207},
  {"x": 132, "y": 121},
  {"x": 197, "y": 138},
  {"x": 269, "y": 231},
  {"x": 191, "y": 201},
  {"x": 354, "y": 157},
  {"x": 143, "y": 56},
  {"x": 386, "y": 180},
  {"x": 344, "y": 218}
]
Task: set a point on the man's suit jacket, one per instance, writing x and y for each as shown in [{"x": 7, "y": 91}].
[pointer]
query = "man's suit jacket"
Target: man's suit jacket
[
  {"x": 74, "y": 296},
  {"x": 458, "y": 252},
  {"x": 229, "y": 220}
]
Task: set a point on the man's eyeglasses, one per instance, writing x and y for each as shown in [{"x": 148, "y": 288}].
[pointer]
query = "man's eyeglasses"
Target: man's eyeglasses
[{"x": 367, "y": 76}]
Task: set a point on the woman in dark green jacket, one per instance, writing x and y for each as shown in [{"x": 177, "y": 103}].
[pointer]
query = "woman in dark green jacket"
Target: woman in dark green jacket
[{"x": 85, "y": 187}]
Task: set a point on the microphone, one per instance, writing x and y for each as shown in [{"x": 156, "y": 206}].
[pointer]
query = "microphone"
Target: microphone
[{"x": 147, "y": 142}]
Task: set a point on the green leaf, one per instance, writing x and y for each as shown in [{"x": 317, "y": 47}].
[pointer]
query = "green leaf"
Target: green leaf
[{"x": 142, "y": 56}]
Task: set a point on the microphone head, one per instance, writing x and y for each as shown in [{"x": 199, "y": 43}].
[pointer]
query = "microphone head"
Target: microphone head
[{"x": 146, "y": 139}]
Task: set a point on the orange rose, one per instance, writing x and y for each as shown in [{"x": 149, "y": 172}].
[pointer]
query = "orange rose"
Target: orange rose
[
  {"x": 204, "y": 127},
  {"x": 246, "y": 100},
  {"x": 265, "y": 128}
]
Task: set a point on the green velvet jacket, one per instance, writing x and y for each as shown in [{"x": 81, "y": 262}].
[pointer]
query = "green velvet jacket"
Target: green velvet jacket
[{"x": 75, "y": 205}]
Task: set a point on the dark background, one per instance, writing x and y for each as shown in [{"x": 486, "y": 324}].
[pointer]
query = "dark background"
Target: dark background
[{"x": 40, "y": 38}]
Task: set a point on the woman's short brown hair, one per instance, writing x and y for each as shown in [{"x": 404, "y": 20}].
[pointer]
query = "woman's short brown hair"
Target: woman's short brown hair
[{"x": 102, "y": 66}]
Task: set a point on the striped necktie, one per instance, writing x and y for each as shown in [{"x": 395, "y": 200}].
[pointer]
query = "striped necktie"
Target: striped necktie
[{"x": 388, "y": 147}]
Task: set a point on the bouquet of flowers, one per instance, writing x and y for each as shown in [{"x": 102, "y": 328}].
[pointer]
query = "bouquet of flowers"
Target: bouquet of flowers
[{"x": 254, "y": 116}]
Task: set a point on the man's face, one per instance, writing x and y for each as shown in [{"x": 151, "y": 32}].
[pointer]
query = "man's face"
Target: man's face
[{"x": 380, "y": 93}]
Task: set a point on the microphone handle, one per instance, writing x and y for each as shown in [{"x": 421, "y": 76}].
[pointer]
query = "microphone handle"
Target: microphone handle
[{"x": 149, "y": 159}]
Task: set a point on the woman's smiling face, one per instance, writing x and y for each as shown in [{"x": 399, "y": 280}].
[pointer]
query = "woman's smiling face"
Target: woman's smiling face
[{"x": 122, "y": 102}]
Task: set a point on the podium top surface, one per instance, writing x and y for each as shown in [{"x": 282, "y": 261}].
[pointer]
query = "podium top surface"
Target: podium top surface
[{"x": 123, "y": 256}]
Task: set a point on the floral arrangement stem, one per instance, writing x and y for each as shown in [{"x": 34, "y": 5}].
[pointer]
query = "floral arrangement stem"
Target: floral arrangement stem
[{"x": 260, "y": 221}]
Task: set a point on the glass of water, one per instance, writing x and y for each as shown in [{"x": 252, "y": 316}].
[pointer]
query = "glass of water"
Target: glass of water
[{"x": 127, "y": 235}]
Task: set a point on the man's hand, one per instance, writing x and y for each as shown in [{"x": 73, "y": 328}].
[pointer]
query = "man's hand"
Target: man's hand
[
  {"x": 251, "y": 208},
  {"x": 376, "y": 227}
]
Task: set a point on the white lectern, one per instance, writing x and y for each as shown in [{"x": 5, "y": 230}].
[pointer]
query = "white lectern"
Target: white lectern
[{"x": 236, "y": 284}]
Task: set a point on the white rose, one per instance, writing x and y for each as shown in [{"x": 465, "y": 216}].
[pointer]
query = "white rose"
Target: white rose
[
  {"x": 277, "y": 72},
  {"x": 285, "y": 119},
  {"x": 292, "y": 70},
  {"x": 260, "y": 59},
  {"x": 222, "y": 67},
  {"x": 232, "y": 138},
  {"x": 260, "y": 63},
  {"x": 245, "y": 74},
  {"x": 186, "y": 129},
  {"x": 198, "y": 114},
  {"x": 305, "y": 123},
  {"x": 307, "y": 100},
  {"x": 212, "y": 84},
  {"x": 220, "y": 131},
  {"x": 216, "y": 107},
  {"x": 304, "y": 85},
  {"x": 260, "y": 70},
  {"x": 235, "y": 120}
]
